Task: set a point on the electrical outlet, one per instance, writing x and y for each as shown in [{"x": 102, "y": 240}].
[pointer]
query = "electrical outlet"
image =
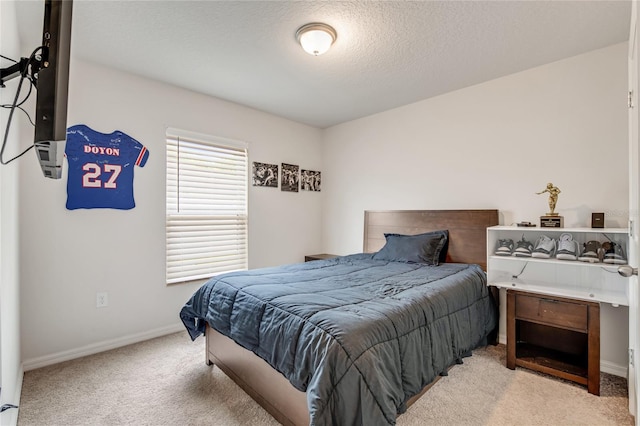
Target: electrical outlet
[{"x": 102, "y": 300}]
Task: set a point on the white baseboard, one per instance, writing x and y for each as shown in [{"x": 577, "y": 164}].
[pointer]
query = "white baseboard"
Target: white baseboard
[
  {"x": 615, "y": 369},
  {"x": 605, "y": 366},
  {"x": 10, "y": 417},
  {"x": 94, "y": 348}
]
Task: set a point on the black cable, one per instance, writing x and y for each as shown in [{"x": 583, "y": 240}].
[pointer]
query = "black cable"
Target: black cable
[
  {"x": 515, "y": 277},
  {"x": 5, "y": 407},
  {"x": 15, "y": 105},
  {"x": 6, "y": 133},
  {"x": 23, "y": 101},
  {"x": 25, "y": 98},
  {"x": 8, "y": 59},
  {"x": 19, "y": 105},
  {"x": 23, "y": 110},
  {"x": 27, "y": 114},
  {"x": 21, "y": 154}
]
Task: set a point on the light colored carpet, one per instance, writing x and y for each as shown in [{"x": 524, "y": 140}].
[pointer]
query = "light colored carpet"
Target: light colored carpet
[{"x": 165, "y": 381}]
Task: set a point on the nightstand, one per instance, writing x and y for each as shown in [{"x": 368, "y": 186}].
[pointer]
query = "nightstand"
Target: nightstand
[
  {"x": 321, "y": 256},
  {"x": 554, "y": 335}
]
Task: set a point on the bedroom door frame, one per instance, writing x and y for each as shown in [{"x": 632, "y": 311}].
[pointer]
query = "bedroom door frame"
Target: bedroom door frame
[{"x": 634, "y": 214}]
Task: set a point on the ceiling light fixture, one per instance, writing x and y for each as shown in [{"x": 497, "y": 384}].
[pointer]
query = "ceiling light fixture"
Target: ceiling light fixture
[{"x": 316, "y": 38}]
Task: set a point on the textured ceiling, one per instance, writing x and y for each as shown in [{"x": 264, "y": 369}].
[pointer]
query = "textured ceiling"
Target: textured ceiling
[{"x": 387, "y": 54}]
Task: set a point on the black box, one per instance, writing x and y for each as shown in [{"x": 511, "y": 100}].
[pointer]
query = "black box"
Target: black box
[{"x": 597, "y": 220}]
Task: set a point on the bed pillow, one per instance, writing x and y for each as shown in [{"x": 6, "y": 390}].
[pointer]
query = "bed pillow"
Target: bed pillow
[
  {"x": 424, "y": 248},
  {"x": 445, "y": 248},
  {"x": 443, "y": 252}
]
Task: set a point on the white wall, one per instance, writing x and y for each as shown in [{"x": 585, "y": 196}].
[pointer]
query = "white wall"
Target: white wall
[
  {"x": 68, "y": 256},
  {"x": 488, "y": 146},
  {"x": 493, "y": 145},
  {"x": 10, "y": 365}
]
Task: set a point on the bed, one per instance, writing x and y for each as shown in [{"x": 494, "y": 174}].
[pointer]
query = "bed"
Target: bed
[{"x": 354, "y": 339}]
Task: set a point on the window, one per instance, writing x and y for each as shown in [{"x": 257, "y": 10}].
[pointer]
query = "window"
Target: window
[{"x": 206, "y": 224}]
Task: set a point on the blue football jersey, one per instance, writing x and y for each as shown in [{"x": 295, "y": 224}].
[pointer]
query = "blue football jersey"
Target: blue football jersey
[{"x": 101, "y": 168}]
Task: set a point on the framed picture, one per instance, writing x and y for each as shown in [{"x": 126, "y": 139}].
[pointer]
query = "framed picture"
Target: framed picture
[
  {"x": 290, "y": 177},
  {"x": 265, "y": 174},
  {"x": 310, "y": 180}
]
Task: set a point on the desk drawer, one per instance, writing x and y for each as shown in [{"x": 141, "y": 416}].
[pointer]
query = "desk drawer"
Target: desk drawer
[{"x": 548, "y": 310}]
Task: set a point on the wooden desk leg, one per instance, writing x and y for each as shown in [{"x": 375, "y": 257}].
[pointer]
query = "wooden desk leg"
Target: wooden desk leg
[
  {"x": 511, "y": 330},
  {"x": 492, "y": 338},
  {"x": 593, "y": 362}
]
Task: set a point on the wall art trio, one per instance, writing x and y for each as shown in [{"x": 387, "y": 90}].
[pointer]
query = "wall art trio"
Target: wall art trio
[{"x": 292, "y": 178}]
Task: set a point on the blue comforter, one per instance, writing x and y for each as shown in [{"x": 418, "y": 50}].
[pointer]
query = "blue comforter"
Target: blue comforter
[{"x": 360, "y": 336}]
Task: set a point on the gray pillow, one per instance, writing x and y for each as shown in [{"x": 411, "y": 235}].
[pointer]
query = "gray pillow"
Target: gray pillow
[{"x": 424, "y": 248}]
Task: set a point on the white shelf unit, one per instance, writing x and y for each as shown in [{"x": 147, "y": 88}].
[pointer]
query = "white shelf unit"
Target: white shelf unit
[{"x": 597, "y": 282}]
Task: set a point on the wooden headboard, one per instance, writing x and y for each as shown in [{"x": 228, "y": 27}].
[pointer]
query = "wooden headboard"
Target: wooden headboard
[{"x": 467, "y": 230}]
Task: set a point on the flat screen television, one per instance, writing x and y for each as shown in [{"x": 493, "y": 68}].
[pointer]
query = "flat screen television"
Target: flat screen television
[{"x": 52, "y": 85}]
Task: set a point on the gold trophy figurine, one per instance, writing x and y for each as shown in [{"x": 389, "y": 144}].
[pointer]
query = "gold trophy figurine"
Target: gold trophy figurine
[
  {"x": 551, "y": 219},
  {"x": 553, "y": 198}
]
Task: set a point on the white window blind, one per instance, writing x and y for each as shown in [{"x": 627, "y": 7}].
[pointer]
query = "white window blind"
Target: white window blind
[{"x": 206, "y": 223}]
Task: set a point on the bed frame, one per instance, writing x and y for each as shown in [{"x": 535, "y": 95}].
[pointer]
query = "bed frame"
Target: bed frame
[{"x": 269, "y": 388}]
